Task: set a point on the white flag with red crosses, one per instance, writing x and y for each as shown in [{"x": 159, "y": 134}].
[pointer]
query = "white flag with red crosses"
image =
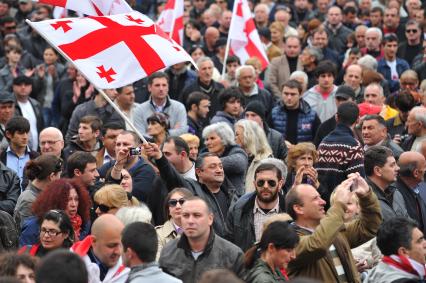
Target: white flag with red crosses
[
  {"x": 92, "y": 7},
  {"x": 243, "y": 36},
  {"x": 171, "y": 20},
  {"x": 112, "y": 51}
]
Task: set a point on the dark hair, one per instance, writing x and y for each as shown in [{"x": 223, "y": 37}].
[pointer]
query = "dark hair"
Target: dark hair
[
  {"x": 180, "y": 144},
  {"x": 94, "y": 122},
  {"x": 395, "y": 233},
  {"x": 233, "y": 59},
  {"x": 194, "y": 198},
  {"x": 325, "y": 67},
  {"x": 376, "y": 117},
  {"x": 62, "y": 266},
  {"x": 136, "y": 138},
  {"x": 377, "y": 9},
  {"x": 120, "y": 89},
  {"x": 64, "y": 223},
  {"x": 200, "y": 159},
  {"x": 390, "y": 37},
  {"x": 41, "y": 167},
  {"x": 79, "y": 160},
  {"x": 278, "y": 233},
  {"x": 292, "y": 198},
  {"x": 17, "y": 49},
  {"x": 55, "y": 196},
  {"x": 184, "y": 191},
  {"x": 17, "y": 124},
  {"x": 195, "y": 98},
  {"x": 111, "y": 126},
  {"x": 354, "y": 50},
  {"x": 146, "y": 247},
  {"x": 348, "y": 113},
  {"x": 160, "y": 118},
  {"x": 349, "y": 10},
  {"x": 404, "y": 101},
  {"x": 229, "y": 93},
  {"x": 293, "y": 84},
  {"x": 9, "y": 263},
  {"x": 219, "y": 275},
  {"x": 375, "y": 156},
  {"x": 268, "y": 167},
  {"x": 157, "y": 75}
]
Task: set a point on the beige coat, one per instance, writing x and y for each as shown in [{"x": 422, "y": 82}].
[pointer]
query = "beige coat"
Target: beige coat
[
  {"x": 279, "y": 73},
  {"x": 165, "y": 233}
]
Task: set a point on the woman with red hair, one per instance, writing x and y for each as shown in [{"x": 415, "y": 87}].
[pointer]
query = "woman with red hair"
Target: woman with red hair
[{"x": 64, "y": 194}]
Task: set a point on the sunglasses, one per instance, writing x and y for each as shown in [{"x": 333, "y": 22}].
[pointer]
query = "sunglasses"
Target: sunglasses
[
  {"x": 174, "y": 202},
  {"x": 411, "y": 31},
  {"x": 271, "y": 183},
  {"x": 102, "y": 207}
]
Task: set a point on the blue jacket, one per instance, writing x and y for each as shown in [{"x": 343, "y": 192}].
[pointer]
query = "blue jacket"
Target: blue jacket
[
  {"x": 306, "y": 124},
  {"x": 384, "y": 69}
]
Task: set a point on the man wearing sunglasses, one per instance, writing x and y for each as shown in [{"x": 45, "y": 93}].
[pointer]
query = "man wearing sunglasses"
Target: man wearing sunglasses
[
  {"x": 245, "y": 219},
  {"x": 413, "y": 46}
]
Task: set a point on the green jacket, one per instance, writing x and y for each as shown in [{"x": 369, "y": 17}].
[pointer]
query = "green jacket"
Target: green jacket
[
  {"x": 262, "y": 273},
  {"x": 313, "y": 258}
]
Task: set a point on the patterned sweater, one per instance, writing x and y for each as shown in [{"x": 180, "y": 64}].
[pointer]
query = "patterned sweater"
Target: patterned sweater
[{"x": 339, "y": 155}]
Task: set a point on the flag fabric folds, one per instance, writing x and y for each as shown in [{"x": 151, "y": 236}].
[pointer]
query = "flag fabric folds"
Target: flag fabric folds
[
  {"x": 92, "y": 7},
  {"x": 112, "y": 51},
  {"x": 171, "y": 20},
  {"x": 244, "y": 39}
]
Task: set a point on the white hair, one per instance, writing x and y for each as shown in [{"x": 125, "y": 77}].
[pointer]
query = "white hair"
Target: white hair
[
  {"x": 130, "y": 214},
  {"x": 254, "y": 138},
  {"x": 376, "y": 30},
  {"x": 303, "y": 75},
  {"x": 368, "y": 61},
  {"x": 278, "y": 163},
  {"x": 203, "y": 59},
  {"x": 240, "y": 68},
  {"x": 55, "y": 130},
  {"x": 223, "y": 130},
  {"x": 264, "y": 6},
  {"x": 419, "y": 113}
]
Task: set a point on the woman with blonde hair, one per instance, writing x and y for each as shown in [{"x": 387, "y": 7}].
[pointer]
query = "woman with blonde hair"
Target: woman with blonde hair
[
  {"x": 277, "y": 30},
  {"x": 110, "y": 198},
  {"x": 251, "y": 137}
]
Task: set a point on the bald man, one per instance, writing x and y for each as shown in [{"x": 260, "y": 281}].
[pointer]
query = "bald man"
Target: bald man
[
  {"x": 210, "y": 37},
  {"x": 101, "y": 251},
  {"x": 412, "y": 167},
  {"x": 51, "y": 141}
]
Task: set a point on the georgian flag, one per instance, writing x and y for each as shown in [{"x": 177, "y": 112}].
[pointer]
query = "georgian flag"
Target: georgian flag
[
  {"x": 92, "y": 7},
  {"x": 243, "y": 35},
  {"x": 171, "y": 20},
  {"x": 112, "y": 51}
]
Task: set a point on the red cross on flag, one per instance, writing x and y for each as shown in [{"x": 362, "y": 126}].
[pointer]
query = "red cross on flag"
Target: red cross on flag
[
  {"x": 112, "y": 51},
  {"x": 171, "y": 20},
  {"x": 243, "y": 36},
  {"x": 92, "y": 7}
]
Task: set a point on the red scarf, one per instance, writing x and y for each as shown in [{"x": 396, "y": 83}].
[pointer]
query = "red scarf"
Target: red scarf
[
  {"x": 76, "y": 225},
  {"x": 403, "y": 265}
]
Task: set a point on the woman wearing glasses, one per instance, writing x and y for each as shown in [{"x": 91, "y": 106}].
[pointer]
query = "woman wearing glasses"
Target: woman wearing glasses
[
  {"x": 110, "y": 198},
  {"x": 41, "y": 171},
  {"x": 171, "y": 229},
  {"x": 56, "y": 231},
  {"x": 64, "y": 194}
]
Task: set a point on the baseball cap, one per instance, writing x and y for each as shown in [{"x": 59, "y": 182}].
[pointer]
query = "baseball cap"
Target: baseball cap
[
  {"x": 366, "y": 108},
  {"x": 345, "y": 92},
  {"x": 6, "y": 97}
]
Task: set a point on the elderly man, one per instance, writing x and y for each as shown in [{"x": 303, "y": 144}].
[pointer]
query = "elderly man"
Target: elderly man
[
  {"x": 261, "y": 12},
  {"x": 199, "y": 248},
  {"x": 374, "y": 95},
  {"x": 281, "y": 67},
  {"x": 101, "y": 251},
  {"x": 51, "y": 141},
  {"x": 353, "y": 79},
  {"x": 373, "y": 41},
  {"x": 246, "y": 78},
  {"x": 310, "y": 58},
  {"x": 324, "y": 251},
  {"x": 416, "y": 126},
  {"x": 412, "y": 167},
  {"x": 205, "y": 84}
]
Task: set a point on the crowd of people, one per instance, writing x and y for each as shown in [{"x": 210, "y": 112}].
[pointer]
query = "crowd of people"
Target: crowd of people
[{"x": 311, "y": 170}]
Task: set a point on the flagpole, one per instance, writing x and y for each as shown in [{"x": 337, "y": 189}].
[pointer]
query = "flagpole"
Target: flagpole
[
  {"x": 104, "y": 95},
  {"x": 228, "y": 42}
]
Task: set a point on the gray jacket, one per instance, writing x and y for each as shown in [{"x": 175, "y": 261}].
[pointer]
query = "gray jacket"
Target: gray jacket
[
  {"x": 150, "y": 273},
  {"x": 174, "y": 109},
  {"x": 235, "y": 163},
  {"x": 177, "y": 260},
  {"x": 24, "y": 204},
  {"x": 324, "y": 108},
  {"x": 384, "y": 273}
]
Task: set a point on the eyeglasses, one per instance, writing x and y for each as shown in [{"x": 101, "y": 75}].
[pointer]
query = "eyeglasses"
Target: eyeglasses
[
  {"x": 50, "y": 233},
  {"x": 271, "y": 183},
  {"x": 174, "y": 202},
  {"x": 48, "y": 142},
  {"x": 102, "y": 207},
  {"x": 411, "y": 31}
]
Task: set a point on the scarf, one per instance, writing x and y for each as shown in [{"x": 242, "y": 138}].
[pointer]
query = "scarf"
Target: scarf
[
  {"x": 405, "y": 264},
  {"x": 76, "y": 222}
]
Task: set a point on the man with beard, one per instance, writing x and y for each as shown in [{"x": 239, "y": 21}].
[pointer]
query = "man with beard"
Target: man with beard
[{"x": 245, "y": 219}]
